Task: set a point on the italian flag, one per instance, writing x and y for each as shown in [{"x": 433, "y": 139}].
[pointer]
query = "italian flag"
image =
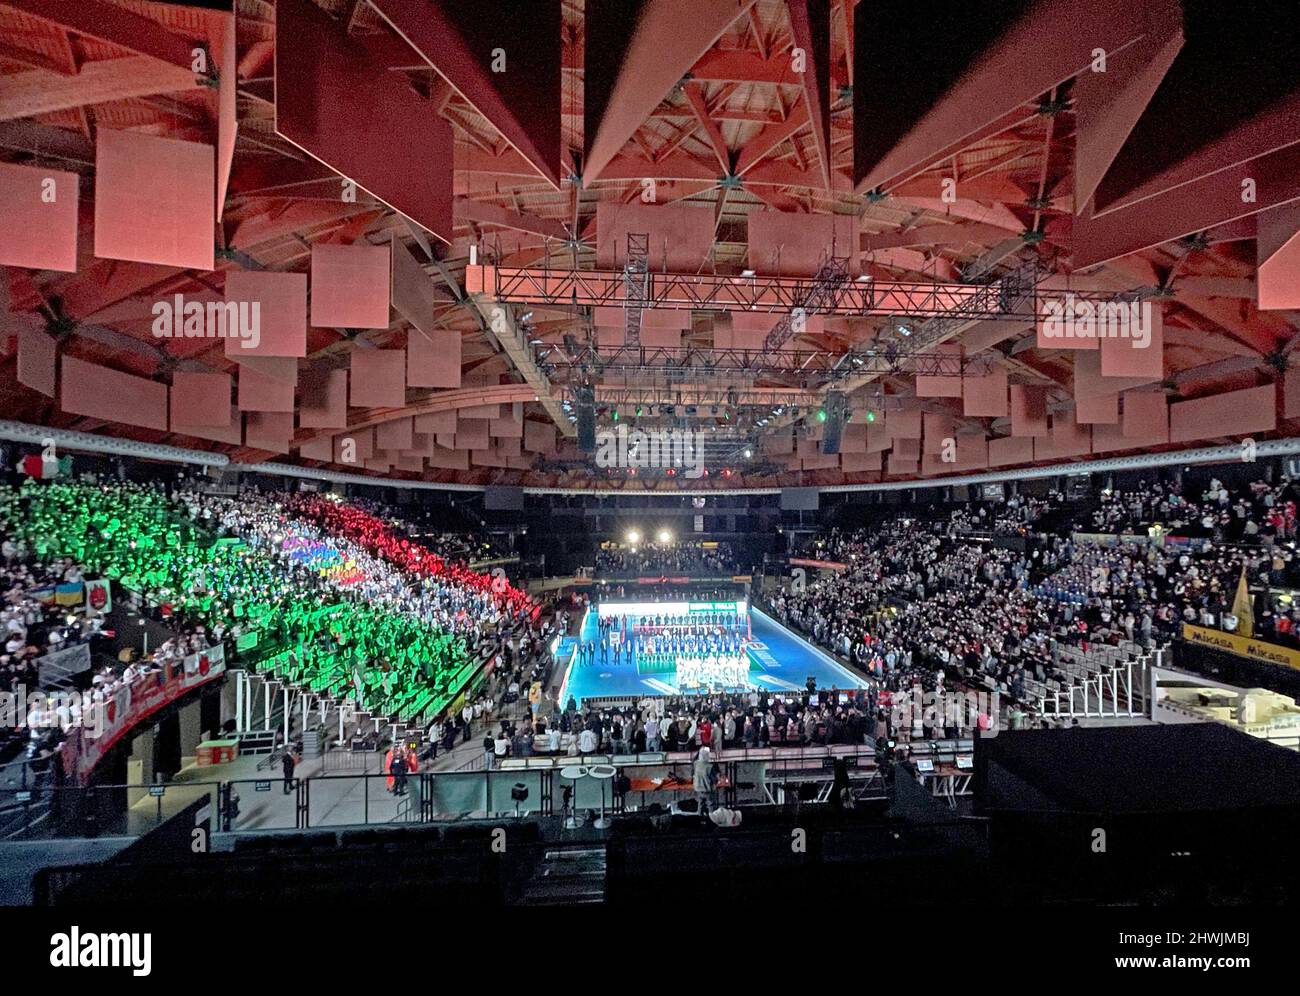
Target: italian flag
[{"x": 44, "y": 469}]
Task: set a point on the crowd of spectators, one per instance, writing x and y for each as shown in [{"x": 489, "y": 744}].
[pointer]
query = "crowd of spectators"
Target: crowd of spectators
[
  {"x": 914, "y": 607},
  {"x": 1256, "y": 511},
  {"x": 37, "y": 620},
  {"x": 362, "y": 607},
  {"x": 428, "y": 526},
  {"x": 923, "y": 598},
  {"x": 681, "y": 558}
]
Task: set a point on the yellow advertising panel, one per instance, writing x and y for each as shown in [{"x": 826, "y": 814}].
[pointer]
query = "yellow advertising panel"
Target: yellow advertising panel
[{"x": 1242, "y": 646}]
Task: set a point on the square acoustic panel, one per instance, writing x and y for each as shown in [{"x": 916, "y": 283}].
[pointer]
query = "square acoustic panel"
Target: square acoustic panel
[
  {"x": 395, "y": 435},
  {"x": 37, "y": 360},
  {"x": 435, "y": 423},
  {"x": 270, "y": 431},
  {"x": 350, "y": 286},
  {"x": 231, "y": 432},
  {"x": 267, "y": 384},
  {"x": 378, "y": 378},
  {"x": 433, "y": 358},
  {"x": 281, "y": 312},
  {"x": 38, "y": 218},
  {"x": 200, "y": 399},
  {"x": 154, "y": 200},
  {"x": 101, "y": 392},
  {"x": 324, "y": 401}
]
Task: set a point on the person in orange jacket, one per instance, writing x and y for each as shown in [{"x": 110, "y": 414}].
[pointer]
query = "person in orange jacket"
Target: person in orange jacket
[
  {"x": 412, "y": 766},
  {"x": 388, "y": 767}
]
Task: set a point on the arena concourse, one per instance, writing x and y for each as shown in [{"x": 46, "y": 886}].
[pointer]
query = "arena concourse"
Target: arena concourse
[{"x": 538, "y": 455}]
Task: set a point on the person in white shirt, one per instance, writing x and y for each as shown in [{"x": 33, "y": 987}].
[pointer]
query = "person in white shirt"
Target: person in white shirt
[{"x": 587, "y": 741}]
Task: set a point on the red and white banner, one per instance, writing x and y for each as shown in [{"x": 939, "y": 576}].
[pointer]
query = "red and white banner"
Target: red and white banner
[
  {"x": 825, "y": 565},
  {"x": 131, "y": 704}
]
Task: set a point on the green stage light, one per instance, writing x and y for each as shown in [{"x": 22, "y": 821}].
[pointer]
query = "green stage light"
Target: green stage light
[{"x": 821, "y": 414}]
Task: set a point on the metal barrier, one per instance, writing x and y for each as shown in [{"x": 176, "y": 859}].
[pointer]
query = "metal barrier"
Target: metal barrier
[
  {"x": 336, "y": 799},
  {"x": 343, "y": 759}
]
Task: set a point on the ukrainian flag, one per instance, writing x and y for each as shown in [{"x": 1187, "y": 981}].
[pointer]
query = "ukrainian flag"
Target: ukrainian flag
[{"x": 69, "y": 594}]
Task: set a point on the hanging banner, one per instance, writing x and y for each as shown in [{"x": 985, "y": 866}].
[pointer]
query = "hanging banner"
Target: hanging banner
[
  {"x": 821, "y": 565},
  {"x": 1242, "y": 646},
  {"x": 131, "y": 704},
  {"x": 99, "y": 595},
  {"x": 60, "y": 665}
]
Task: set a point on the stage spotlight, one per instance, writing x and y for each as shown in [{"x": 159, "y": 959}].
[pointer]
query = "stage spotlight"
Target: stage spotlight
[
  {"x": 821, "y": 414},
  {"x": 665, "y": 536},
  {"x": 871, "y": 416},
  {"x": 748, "y": 454},
  {"x": 633, "y": 536}
]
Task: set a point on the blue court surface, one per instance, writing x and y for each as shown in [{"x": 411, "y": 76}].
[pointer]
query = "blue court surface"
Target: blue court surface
[{"x": 784, "y": 660}]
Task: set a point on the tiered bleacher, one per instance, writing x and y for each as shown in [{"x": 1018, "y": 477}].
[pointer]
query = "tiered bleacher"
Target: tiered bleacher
[{"x": 341, "y": 603}]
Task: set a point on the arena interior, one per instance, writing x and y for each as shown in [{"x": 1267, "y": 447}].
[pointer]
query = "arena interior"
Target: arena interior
[{"x": 533, "y": 455}]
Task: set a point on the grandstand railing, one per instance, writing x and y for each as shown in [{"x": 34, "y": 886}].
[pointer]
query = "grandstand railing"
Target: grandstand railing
[
  {"x": 1104, "y": 681},
  {"x": 130, "y": 705},
  {"x": 332, "y": 799}
]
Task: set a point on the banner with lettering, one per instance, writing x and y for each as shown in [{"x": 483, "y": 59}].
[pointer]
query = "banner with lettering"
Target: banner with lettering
[{"x": 1242, "y": 646}]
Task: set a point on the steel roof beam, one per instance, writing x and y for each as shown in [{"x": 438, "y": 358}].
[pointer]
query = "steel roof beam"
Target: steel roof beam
[
  {"x": 115, "y": 25},
  {"x": 632, "y": 60},
  {"x": 986, "y": 64},
  {"x": 502, "y": 57},
  {"x": 810, "y": 23}
]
